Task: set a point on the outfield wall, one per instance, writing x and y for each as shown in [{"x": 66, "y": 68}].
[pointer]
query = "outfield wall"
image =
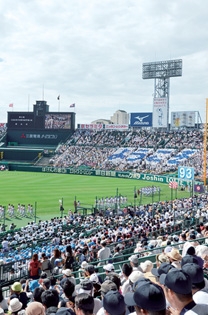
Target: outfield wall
[{"x": 164, "y": 179}]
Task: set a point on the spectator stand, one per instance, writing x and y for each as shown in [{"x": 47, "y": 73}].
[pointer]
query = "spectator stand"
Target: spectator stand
[
  {"x": 122, "y": 150},
  {"x": 16, "y": 265},
  {"x": 16, "y": 269}
]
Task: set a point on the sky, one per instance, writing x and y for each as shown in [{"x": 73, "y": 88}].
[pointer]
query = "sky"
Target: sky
[{"x": 91, "y": 54}]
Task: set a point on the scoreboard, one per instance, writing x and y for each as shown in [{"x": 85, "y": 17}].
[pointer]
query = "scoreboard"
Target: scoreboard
[
  {"x": 39, "y": 126},
  {"x": 25, "y": 121},
  {"x": 21, "y": 121}
]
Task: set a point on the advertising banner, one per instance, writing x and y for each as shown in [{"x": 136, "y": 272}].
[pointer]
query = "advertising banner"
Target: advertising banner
[
  {"x": 141, "y": 120},
  {"x": 160, "y": 112},
  {"x": 182, "y": 119},
  {"x": 163, "y": 179},
  {"x": 90, "y": 126},
  {"x": 117, "y": 127}
]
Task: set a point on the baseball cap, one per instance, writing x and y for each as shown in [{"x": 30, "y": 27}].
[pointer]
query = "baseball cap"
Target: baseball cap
[
  {"x": 178, "y": 281},
  {"x": 85, "y": 285},
  {"x": 108, "y": 267},
  {"x": 94, "y": 278},
  {"x": 135, "y": 276},
  {"x": 113, "y": 303},
  {"x": 147, "y": 295},
  {"x": 106, "y": 286},
  {"x": 134, "y": 259},
  {"x": 188, "y": 259},
  {"x": 146, "y": 265},
  {"x": 167, "y": 249},
  {"x": 163, "y": 268},
  {"x": 195, "y": 272},
  {"x": 84, "y": 264},
  {"x": 67, "y": 272}
]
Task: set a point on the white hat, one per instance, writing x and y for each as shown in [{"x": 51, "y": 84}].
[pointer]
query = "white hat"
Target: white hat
[
  {"x": 94, "y": 278},
  {"x": 135, "y": 276},
  {"x": 15, "y": 305},
  {"x": 134, "y": 259},
  {"x": 167, "y": 249},
  {"x": 84, "y": 264},
  {"x": 109, "y": 267},
  {"x": 67, "y": 272},
  {"x": 146, "y": 266}
]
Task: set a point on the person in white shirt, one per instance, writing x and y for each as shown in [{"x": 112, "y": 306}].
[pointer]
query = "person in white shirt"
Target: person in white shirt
[
  {"x": 126, "y": 271},
  {"x": 5, "y": 245},
  {"x": 104, "y": 253}
]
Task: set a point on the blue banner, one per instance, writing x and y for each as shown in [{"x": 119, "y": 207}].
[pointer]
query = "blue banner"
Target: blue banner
[{"x": 141, "y": 120}]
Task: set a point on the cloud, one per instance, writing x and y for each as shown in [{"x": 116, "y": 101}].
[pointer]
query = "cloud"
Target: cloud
[{"x": 91, "y": 53}]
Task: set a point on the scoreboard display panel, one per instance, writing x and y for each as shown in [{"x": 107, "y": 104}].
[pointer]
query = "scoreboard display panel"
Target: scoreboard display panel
[
  {"x": 21, "y": 120},
  {"x": 58, "y": 121}
]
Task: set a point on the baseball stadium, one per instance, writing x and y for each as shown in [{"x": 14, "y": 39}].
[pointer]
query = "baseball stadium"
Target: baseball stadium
[{"x": 101, "y": 206}]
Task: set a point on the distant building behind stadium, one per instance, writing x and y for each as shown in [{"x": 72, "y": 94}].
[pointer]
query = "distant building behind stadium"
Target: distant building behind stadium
[{"x": 120, "y": 117}]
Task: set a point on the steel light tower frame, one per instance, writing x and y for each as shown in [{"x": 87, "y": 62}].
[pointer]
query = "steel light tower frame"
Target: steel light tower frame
[
  {"x": 161, "y": 71},
  {"x": 205, "y": 146}
]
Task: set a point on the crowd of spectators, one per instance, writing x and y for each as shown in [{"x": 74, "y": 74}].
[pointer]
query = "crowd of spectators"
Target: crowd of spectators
[
  {"x": 154, "y": 218},
  {"x": 94, "y": 149},
  {"x": 43, "y": 277}
]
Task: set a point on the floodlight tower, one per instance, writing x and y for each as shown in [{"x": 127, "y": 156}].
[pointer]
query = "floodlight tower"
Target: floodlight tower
[
  {"x": 161, "y": 71},
  {"x": 205, "y": 146}
]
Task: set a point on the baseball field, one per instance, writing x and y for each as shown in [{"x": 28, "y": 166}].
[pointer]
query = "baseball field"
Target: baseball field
[{"x": 47, "y": 191}]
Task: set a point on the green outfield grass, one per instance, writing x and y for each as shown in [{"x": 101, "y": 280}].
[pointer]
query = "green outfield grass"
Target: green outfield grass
[{"x": 47, "y": 189}]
